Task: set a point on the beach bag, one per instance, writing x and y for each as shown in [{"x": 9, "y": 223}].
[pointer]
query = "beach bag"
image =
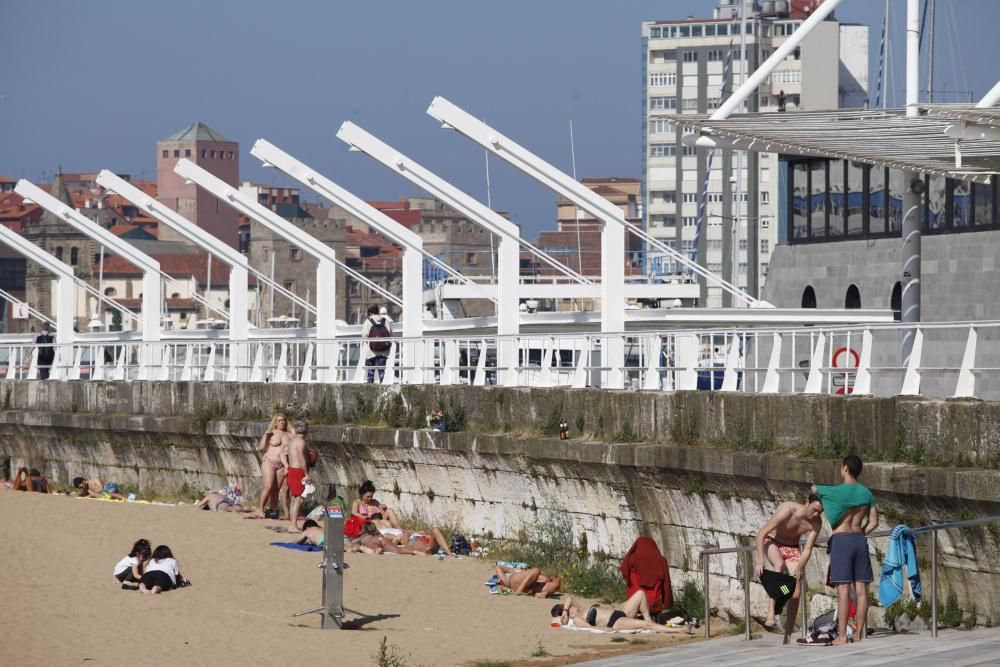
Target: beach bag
[
  {"x": 378, "y": 331},
  {"x": 353, "y": 526},
  {"x": 460, "y": 545}
]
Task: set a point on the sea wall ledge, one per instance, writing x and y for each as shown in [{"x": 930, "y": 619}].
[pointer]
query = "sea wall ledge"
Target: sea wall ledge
[{"x": 964, "y": 433}]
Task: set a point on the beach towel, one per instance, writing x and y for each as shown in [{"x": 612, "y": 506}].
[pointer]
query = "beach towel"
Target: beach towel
[
  {"x": 644, "y": 567},
  {"x": 572, "y": 626},
  {"x": 297, "y": 547}
]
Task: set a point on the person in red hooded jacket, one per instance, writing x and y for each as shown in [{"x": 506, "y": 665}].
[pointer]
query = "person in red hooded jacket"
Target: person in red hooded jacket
[{"x": 645, "y": 568}]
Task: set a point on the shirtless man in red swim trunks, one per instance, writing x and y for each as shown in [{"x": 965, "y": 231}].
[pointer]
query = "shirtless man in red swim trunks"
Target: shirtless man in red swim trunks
[
  {"x": 298, "y": 476},
  {"x": 778, "y": 548}
]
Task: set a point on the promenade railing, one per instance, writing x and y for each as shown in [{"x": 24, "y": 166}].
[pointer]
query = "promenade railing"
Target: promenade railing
[
  {"x": 747, "y": 552},
  {"x": 947, "y": 360}
]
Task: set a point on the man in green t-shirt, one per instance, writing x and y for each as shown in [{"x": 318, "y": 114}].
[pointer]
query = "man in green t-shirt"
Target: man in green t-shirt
[{"x": 850, "y": 509}]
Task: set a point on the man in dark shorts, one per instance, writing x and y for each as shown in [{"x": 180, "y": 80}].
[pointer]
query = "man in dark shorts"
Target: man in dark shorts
[
  {"x": 850, "y": 509},
  {"x": 298, "y": 476},
  {"x": 778, "y": 550}
]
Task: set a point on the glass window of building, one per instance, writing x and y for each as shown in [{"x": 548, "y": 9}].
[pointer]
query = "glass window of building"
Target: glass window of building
[
  {"x": 897, "y": 188},
  {"x": 710, "y": 30},
  {"x": 662, "y": 103},
  {"x": 961, "y": 203},
  {"x": 817, "y": 199},
  {"x": 937, "y": 203},
  {"x": 722, "y": 29},
  {"x": 800, "y": 191},
  {"x": 877, "y": 197},
  {"x": 669, "y": 221},
  {"x": 765, "y": 246},
  {"x": 654, "y": 33},
  {"x": 696, "y": 31},
  {"x": 855, "y": 198},
  {"x": 684, "y": 31},
  {"x": 984, "y": 206},
  {"x": 838, "y": 198},
  {"x": 662, "y": 150}
]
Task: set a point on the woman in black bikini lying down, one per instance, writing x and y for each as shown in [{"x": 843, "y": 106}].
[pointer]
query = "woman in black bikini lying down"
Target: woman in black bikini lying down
[{"x": 606, "y": 618}]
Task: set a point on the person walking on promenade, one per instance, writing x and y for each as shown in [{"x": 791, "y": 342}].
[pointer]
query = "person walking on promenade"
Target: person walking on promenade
[
  {"x": 298, "y": 475},
  {"x": 46, "y": 353},
  {"x": 272, "y": 447},
  {"x": 850, "y": 509},
  {"x": 778, "y": 546},
  {"x": 377, "y": 344}
]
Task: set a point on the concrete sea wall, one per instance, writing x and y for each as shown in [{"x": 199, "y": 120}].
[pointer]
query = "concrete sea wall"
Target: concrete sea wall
[{"x": 499, "y": 475}]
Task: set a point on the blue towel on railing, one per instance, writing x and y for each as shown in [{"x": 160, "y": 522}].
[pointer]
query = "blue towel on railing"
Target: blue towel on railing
[{"x": 902, "y": 553}]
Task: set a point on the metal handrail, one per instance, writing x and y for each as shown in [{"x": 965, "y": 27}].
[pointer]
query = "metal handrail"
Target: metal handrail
[{"x": 747, "y": 549}]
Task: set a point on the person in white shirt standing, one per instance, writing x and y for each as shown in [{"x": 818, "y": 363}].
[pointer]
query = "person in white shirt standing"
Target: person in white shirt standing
[
  {"x": 162, "y": 572},
  {"x": 378, "y": 342}
]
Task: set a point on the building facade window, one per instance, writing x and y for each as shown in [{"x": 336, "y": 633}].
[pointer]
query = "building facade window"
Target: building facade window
[
  {"x": 177, "y": 152},
  {"x": 660, "y": 126},
  {"x": 715, "y": 54},
  {"x": 690, "y": 198},
  {"x": 293, "y": 254},
  {"x": 658, "y": 79},
  {"x": 690, "y": 56},
  {"x": 690, "y": 221},
  {"x": 690, "y": 151},
  {"x": 765, "y": 246},
  {"x": 74, "y": 256},
  {"x": 662, "y": 103},
  {"x": 187, "y": 152},
  {"x": 165, "y": 153},
  {"x": 662, "y": 150}
]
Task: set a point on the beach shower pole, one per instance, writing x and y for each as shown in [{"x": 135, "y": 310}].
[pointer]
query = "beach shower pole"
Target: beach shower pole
[
  {"x": 332, "y": 610},
  {"x": 333, "y": 570}
]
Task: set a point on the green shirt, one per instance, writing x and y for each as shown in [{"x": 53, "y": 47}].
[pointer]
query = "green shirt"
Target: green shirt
[{"x": 837, "y": 500}]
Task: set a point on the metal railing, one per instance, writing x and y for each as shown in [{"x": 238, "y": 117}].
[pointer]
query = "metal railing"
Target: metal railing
[
  {"x": 958, "y": 360},
  {"x": 748, "y": 566}
]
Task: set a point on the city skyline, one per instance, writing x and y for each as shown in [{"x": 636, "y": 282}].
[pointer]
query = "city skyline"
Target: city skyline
[{"x": 70, "y": 103}]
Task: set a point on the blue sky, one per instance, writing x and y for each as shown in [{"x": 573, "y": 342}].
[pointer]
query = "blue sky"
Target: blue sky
[{"x": 91, "y": 85}]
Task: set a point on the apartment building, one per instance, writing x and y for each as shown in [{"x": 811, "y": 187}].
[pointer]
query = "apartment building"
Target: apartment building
[{"x": 720, "y": 206}]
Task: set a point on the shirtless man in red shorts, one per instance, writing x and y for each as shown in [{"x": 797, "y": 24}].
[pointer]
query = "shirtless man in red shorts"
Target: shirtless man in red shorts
[
  {"x": 778, "y": 548},
  {"x": 298, "y": 475}
]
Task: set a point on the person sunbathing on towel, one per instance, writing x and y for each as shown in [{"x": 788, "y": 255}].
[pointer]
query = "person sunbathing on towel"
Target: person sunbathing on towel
[
  {"x": 32, "y": 480},
  {"x": 95, "y": 488},
  {"x": 606, "y": 618},
  {"x": 219, "y": 502},
  {"x": 313, "y": 534},
  {"x": 371, "y": 541},
  {"x": 528, "y": 581},
  {"x": 417, "y": 543}
]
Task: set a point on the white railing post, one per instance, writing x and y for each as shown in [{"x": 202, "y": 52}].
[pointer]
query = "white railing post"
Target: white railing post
[
  {"x": 582, "y": 362},
  {"x": 480, "y": 378},
  {"x": 814, "y": 383},
  {"x": 730, "y": 377},
  {"x": 652, "y": 380},
  {"x": 545, "y": 376},
  {"x": 281, "y": 371},
  {"x": 74, "y": 372},
  {"x": 686, "y": 355},
  {"x": 772, "y": 378},
  {"x": 389, "y": 374},
  {"x": 911, "y": 379},
  {"x": 966, "y": 387},
  {"x": 307, "y": 366},
  {"x": 863, "y": 377},
  {"x": 208, "y": 375}
]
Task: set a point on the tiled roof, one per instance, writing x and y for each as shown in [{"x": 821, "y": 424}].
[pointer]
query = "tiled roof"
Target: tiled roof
[
  {"x": 6, "y": 179},
  {"x": 197, "y": 131},
  {"x": 180, "y": 267}
]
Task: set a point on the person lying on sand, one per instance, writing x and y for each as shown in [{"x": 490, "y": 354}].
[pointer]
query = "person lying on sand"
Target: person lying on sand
[
  {"x": 527, "y": 581},
  {"x": 416, "y": 542},
  {"x": 162, "y": 572},
  {"x": 220, "y": 502},
  {"x": 371, "y": 542},
  {"x": 94, "y": 488},
  {"x": 32, "y": 480},
  {"x": 313, "y": 534},
  {"x": 608, "y": 619}
]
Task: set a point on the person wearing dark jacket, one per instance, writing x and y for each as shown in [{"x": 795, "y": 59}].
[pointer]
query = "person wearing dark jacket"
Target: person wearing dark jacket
[
  {"x": 46, "y": 353},
  {"x": 645, "y": 568}
]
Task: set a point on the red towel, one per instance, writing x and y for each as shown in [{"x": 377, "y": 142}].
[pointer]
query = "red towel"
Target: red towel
[{"x": 645, "y": 567}]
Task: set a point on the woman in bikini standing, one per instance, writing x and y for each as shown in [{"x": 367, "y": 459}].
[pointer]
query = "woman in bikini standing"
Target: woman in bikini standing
[{"x": 273, "y": 446}]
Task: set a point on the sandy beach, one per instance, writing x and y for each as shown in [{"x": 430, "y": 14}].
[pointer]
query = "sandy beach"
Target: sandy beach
[{"x": 62, "y": 606}]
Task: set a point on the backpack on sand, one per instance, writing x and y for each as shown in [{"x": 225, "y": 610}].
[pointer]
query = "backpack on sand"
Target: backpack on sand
[{"x": 379, "y": 330}]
